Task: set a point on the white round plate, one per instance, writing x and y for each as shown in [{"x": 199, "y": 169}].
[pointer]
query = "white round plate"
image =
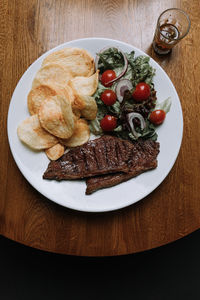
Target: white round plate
[{"x": 71, "y": 194}]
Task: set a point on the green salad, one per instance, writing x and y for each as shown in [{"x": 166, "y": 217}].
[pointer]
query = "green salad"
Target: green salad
[{"x": 125, "y": 97}]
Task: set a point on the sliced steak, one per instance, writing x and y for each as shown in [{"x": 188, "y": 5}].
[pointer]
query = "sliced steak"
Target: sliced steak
[
  {"x": 104, "y": 155},
  {"x": 143, "y": 158}
]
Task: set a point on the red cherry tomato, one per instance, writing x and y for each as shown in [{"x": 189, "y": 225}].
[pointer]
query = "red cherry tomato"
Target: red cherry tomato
[
  {"x": 107, "y": 76},
  {"x": 108, "y": 97},
  {"x": 141, "y": 92},
  {"x": 108, "y": 123},
  {"x": 157, "y": 116}
]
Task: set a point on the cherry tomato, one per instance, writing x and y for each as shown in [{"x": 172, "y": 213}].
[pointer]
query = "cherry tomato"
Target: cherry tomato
[
  {"x": 108, "y": 123},
  {"x": 108, "y": 97},
  {"x": 157, "y": 116},
  {"x": 107, "y": 76},
  {"x": 141, "y": 92}
]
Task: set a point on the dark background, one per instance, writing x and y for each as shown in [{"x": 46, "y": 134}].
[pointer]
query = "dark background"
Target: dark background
[{"x": 169, "y": 272}]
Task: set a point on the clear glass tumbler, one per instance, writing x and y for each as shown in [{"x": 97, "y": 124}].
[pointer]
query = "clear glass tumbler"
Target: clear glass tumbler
[{"x": 172, "y": 26}]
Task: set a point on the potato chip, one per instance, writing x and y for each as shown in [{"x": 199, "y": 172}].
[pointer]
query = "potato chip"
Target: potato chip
[
  {"x": 78, "y": 103},
  {"x": 33, "y": 135},
  {"x": 65, "y": 91},
  {"x": 85, "y": 85},
  {"x": 56, "y": 116},
  {"x": 90, "y": 110},
  {"x": 66, "y": 108},
  {"x": 80, "y": 136},
  {"x": 52, "y": 74},
  {"x": 77, "y": 113},
  {"x": 68, "y": 92},
  {"x": 55, "y": 152},
  {"x": 78, "y": 61},
  {"x": 71, "y": 95},
  {"x": 37, "y": 95}
]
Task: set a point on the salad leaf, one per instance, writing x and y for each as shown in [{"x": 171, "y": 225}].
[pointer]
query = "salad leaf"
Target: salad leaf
[
  {"x": 138, "y": 70},
  {"x": 149, "y": 131},
  {"x": 102, "y": 108},
  {"x": 118, "y": 128},
  {"x": 95, "y": 127},
  {"x": 164, "y": 105},
  {"x": 110, "y": 59},
  {"x": 131, "y": 58},
  {"x": 119, "y": 132},
  {"x": 115, "y": 109},
  {"x": 99, "y": 90}
]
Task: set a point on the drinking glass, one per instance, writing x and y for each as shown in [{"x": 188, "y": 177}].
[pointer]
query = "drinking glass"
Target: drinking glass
[{"x": 172, "y": 26}]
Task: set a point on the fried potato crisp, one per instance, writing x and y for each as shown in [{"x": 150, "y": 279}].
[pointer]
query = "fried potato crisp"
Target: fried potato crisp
[
  {"x": 80, "y": 136},
  {"x": 60, "y": 95},
  {"x": 42, "y": 92},
  {"x": 56, "y": 116},
  {"x": 90, "y": 110},
  {"x": 37, "y": 95},
  {"x": 33, "y": 135},
  {"x": 85, "y": 85},
  {"x": 55, "y": 152},
  {"x": 78, "y": 103},
  {"x": 52, "y": 74},
  {"x": 68, "y": 93},
  {"x": 77, "y": 113},
  {"x": 78, "y": 61}
]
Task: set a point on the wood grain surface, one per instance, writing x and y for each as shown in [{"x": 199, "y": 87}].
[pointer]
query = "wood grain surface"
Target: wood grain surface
[{"x": 27, "y": 30}]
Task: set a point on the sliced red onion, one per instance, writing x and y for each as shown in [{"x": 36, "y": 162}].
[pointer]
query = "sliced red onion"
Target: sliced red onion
[
  {"x": 125, "y": 63},
  {"x": 122, "y": 86},
  {"x": 130, "y": 118}
]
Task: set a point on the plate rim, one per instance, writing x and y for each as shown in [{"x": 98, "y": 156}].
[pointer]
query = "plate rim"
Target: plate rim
[{"x": 130, "y": 202}]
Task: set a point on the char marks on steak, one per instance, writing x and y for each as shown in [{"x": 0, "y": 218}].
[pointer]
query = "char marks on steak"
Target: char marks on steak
[
  {"x": 143, "y": 158},
  {"x": 104, "y": 155}
]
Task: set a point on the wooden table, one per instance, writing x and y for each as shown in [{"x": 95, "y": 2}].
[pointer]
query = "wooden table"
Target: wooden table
[{"x": 28, "y": 29}]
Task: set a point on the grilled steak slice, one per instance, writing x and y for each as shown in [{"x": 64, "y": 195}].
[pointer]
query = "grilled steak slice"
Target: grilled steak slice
[
  {"x": 104, "y": 155},
  {"x": 144, "y": 157}
]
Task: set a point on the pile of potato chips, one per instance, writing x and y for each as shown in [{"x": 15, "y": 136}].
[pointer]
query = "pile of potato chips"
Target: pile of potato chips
[{"x": 60, "y": 103}]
